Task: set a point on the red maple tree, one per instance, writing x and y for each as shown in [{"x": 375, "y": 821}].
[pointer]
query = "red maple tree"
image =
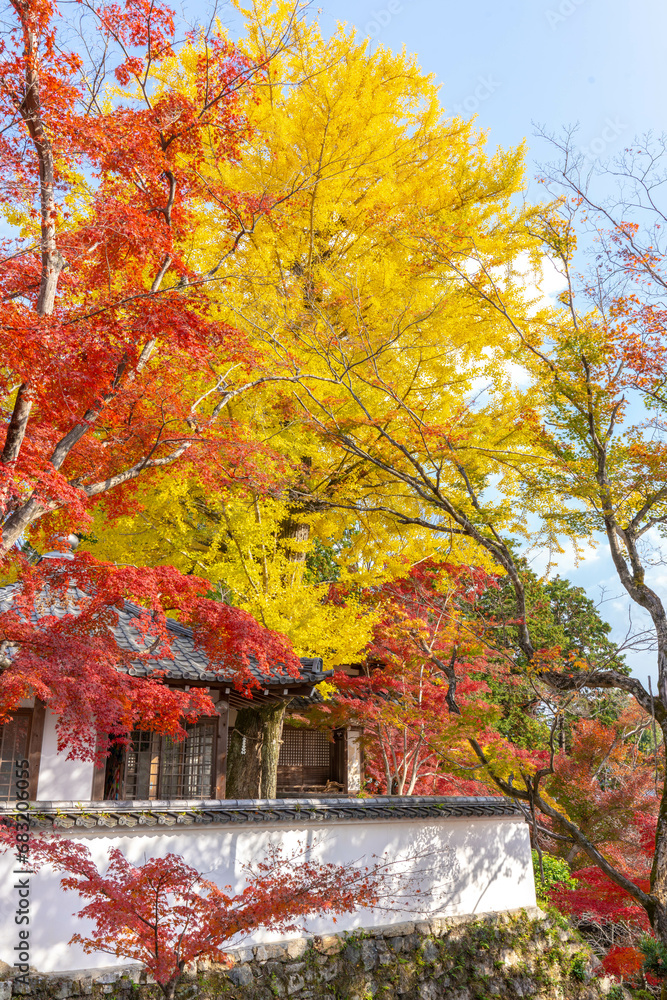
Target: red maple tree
[
  {"x": 423, "y": 659},
  {"x": 166, "y": 914},
  {"x": 115, "y": 362}
]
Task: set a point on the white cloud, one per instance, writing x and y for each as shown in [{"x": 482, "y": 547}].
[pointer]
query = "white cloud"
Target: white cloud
[{"x": 543, "y": 286}]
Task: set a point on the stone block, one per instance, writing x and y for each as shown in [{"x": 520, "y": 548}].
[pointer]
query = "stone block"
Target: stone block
[
  {"x": 495, "y": 987},
  {"x": 396, "y": 943},
  {"x": 484, "y": 968},
  {"x": 86, "y": 985},
  {"x": 524, "y": 987},
  {"x": 431, "y": 991},
  {"x": 328, "y": 944},
  {"x": 6, "y": 989},
  {"x": 274, "y": 969},
  {"x": 295, "y": 949},
  {"x": 240, "y": 955},
  {"x": 352, "y": 954},
  {"x": 241, "y": 975},
  {"x": 396, "y": 930},
  {"x": 406, "y": 979},
  {"x": 264, "y": 952},
  {"x": 364, "y": 990},
  {"x": 295, "y": 982},
  {"x": 423, "y": 927},
  {"x": 327, "y": 973},
  {"x": 368, "y": 955},
  {"x": 107, "y": 978},
  {"x": 429, "y": 951},
  {"x": 62, "y": 989}
]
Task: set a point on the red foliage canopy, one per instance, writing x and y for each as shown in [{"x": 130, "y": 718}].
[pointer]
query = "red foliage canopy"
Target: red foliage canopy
[
  {"x": 60, "y": 622},
  {"x": 115, "y": 361},
  {"x": 421, "y": 691}
]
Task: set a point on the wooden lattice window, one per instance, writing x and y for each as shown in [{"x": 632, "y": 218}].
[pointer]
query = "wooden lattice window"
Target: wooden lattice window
[
  {"x": 14, "y": 745},
  {"x": 305, "y": 759},
  {"x": 157, "y": 767}
]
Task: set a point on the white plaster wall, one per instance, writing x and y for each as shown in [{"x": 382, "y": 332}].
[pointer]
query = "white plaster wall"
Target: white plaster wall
[
  {"x": 472, "y": 865},
  {"x": 61, "y": 780}
]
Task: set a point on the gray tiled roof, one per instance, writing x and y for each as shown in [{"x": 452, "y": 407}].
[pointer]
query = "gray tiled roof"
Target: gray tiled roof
[
  {"x": 189, "y": 662},
  {"x": 230, "y": 812}
]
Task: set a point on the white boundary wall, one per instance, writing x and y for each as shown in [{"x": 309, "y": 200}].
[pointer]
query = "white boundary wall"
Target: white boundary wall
[{"x": 476, "y": 864}]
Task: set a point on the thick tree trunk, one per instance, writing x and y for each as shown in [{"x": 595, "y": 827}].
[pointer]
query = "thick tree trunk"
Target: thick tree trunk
[
  {"x": 254, "y": 748},
  {"x": 273, "y": 734},
  {"x": 292, "y": 530}
]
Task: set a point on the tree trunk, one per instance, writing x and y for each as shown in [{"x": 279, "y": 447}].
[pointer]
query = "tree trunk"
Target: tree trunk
[
  {"x": 273, "y": 733},
  {"x": 292, "y": 530},
  {"x": 254, "y": 748},
  {"x": 659, "y": 869},
  {"x": 169, "y": 989}
]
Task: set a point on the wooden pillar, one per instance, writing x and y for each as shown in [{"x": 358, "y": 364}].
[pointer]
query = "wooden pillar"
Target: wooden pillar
[
  {"x": 97, "y": 791},
  {"x": 221, "y": 750},
  {"x": 35, "y": 748}
]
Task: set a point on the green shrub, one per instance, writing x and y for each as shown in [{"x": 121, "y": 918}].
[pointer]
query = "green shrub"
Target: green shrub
[
  {"x": 557, "y": 875},
  {"x": 616, "y": 992},
  {"x": 655, "y": 956}
]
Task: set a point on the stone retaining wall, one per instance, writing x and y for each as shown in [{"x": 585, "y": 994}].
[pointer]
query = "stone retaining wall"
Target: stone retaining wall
[{"x": 504, "y": 956}]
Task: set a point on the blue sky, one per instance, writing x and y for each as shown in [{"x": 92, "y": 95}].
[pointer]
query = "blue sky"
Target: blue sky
[{"x": 556, "y": 62}]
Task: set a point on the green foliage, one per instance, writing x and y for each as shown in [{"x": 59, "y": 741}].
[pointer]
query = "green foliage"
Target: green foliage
[
  {"x": 559, "y": 615},
  {"x": 578, "y": 968},
  {"x": 655, "y": 956},
  {"x": 323, "y": 560},
  {"x": 556, "y": 874}
]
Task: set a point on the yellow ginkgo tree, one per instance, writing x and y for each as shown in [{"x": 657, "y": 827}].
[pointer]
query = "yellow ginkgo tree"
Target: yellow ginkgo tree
[{"x": 374, "y": 362}]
